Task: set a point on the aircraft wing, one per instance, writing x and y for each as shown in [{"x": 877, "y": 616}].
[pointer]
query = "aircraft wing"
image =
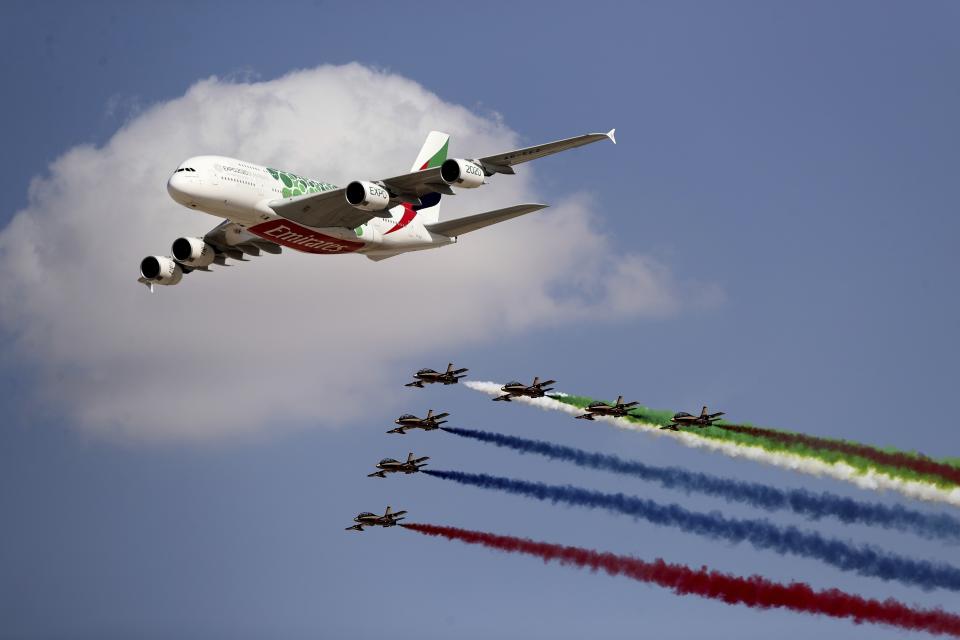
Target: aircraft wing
[
  {"x": 234, "y": 241},
  {"x": 330, "y": 208},
  {"x": 503, "y": 162},
  {"x": 460, "y": 226},
  {"x": 229, "y": 240},
  {"x": 327, "y": 209}
]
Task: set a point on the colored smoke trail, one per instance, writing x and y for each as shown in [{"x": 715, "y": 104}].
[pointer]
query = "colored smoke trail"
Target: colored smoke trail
[
  {"x": 762, "y": 534},
  {"x": 864, "y": 477},
  {"x": 753, "y": 591},
  {"x": 918, "y": 464},
  {"x": 807, "y": 503}
]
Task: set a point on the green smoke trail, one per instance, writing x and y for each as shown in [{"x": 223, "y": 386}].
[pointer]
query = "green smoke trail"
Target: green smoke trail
[{"x": 646, "y": 415}]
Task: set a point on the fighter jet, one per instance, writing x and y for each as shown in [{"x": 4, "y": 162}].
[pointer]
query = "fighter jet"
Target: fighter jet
[
  {"x": 389, "y": 465},
  {"x": 684, "y": 419},
  {"x": 367, "y": 519},
  {"x": 429, "y": 376},
  {"x": 410, "y": 421},
  {"x": 617, "y": 409},
  {"x": 518, "y": 389}
]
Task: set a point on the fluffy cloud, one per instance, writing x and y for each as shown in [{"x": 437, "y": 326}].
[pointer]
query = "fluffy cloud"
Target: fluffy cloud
[{"x": 279, "y": 340}]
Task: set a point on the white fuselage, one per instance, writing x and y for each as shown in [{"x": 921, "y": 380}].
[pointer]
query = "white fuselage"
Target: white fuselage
[{"x": 241, "y": 191}]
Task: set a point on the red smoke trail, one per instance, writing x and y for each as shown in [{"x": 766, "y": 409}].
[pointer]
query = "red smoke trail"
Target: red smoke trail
[
  {"x": 753, "y": 591},
  {"x": 918, "y": 464}
]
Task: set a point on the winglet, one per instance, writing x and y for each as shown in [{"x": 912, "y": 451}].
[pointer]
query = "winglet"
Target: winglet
[{"x": 610, "y": 134}]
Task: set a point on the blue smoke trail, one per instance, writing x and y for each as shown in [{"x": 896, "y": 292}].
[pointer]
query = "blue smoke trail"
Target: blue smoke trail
[
  {"x": 867, "y": 561},
  {"x": 801, "y": 501}
]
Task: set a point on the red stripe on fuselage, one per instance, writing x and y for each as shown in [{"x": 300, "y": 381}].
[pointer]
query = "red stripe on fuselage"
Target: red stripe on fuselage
[
  {"x": 290, "y": 234},
  {"x": 408, "y": 215}
]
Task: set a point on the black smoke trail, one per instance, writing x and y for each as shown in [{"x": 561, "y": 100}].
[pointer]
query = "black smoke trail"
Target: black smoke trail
[
  {"x": 807, "y": 503},
  {"x": 865, "y": 560}
]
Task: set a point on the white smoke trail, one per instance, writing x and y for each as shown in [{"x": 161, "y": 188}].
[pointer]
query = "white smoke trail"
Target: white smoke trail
[{"x": 872, "y": 479}]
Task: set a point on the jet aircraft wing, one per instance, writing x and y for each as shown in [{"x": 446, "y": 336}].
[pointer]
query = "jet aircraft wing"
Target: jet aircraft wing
[
  {"x": 327, "y": 209},
  {"x": 234, "y": 241},
  {"x": 229, "y": 240},
  {"x": 460, "y": 226},
  {"x": 503, "y": 162},
  {"x": 331, "y": 209}
]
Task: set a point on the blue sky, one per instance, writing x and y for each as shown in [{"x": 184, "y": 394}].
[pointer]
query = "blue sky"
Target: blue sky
[{"x": 799, "y": 159}]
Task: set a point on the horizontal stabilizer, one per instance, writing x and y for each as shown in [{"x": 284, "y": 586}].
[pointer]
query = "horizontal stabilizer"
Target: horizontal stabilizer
[
  {"x": 383, "y": 255},
  {"x": 460, "y": 226}
]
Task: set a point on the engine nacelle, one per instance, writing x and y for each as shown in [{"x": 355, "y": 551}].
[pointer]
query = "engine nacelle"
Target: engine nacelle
[
  {"x": 462, "y": 173},
  {"x": 193, "y": 252},
  {"x": 367, "y": 196},
  {"x": 160, "y": 270}
]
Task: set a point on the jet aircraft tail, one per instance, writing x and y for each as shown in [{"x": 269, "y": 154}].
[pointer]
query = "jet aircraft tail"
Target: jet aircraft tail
[{"x": 432, "y": 154}]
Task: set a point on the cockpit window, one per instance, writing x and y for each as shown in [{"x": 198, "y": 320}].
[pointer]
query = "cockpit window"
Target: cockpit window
[{"x": 185, "y": 169}]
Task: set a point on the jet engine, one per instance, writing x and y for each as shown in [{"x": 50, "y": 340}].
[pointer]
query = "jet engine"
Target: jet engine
[
  {"x": 160, "y": 270},
  {"x": 367, "y": 196},
  {"x": 193, "y": 252},
  {"x": 462, "y": 173}
]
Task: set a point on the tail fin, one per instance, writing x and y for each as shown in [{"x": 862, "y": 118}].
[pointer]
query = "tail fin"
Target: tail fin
[
  {"x": 432, "y": 154},
  {"x": 619, "y": 401},
  {"x": 703, "y": 412}
]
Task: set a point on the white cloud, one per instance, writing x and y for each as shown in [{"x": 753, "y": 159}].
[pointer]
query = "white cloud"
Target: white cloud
[{"x": 282, "y": 340}]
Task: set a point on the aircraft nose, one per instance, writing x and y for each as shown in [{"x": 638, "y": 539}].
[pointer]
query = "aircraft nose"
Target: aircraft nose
[
  {"x": 176, "y": 187},
  {"x": 183, "y": 186}
]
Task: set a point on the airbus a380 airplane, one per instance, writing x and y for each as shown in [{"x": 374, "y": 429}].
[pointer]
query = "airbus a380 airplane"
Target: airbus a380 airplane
[{"x": 265, "y": 209}]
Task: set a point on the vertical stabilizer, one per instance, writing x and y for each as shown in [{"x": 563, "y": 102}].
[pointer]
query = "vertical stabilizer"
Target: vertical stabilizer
[{"x": 432, "y": 154}]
